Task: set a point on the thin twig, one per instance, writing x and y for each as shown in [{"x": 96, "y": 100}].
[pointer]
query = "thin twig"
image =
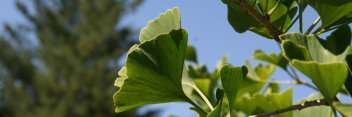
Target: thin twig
[
  {"x": 298, "y": 80},
  {"x": 300, "y": 3},
  {"x": 312, "y": 26},
  {"x": 306, "y": 104},
  {"x": 278, "y": 81},
  {"x": 262, "y": 20},
  {"x": 293, "y": 22},
  {"x": 308, "y": 85}
]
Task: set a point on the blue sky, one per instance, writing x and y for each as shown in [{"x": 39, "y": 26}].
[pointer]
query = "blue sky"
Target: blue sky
[{"x": 209, "y": 31}]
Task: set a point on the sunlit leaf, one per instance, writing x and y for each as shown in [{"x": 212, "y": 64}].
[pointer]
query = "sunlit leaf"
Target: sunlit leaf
[
  {"x": 166, "y": 22},
  {"x": 232, "y": 79},
  {"x": 196, "y": 94},
  {"x": 197, "y": 71},
  {"x": 217, "y": 111},
  {"x": 123, "y": 77},
  {"x": 311, "y": 43},
  {"x": 256, "y": 78},
  {"x": 203, "y": 80},
  {"x": 345, "y": 109},
  {"x": 294, "y": 51},
  {"x": 329, "y": 77},
  {"x": 246, "y": 104},
  {"x": 273, "y": 58},
  {"x": 274, "y": 101},
  {"x": 275, "y": 87},
  {"x": 221, "y": 63}
]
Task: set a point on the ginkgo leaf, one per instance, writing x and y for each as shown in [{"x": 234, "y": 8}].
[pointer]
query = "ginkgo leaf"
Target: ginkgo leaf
[
  {"x": 312, "y": 45},
  {"x": 277, "y": 59},
  {"x": 280, "y": 14},
  {"x": 310, "y": 57},
  {"x": 345, "y": 109},
  {"x": 238, "y": 17},
  {"x": 329, "y": 77},
  {"x": 217, "y": 111},
  {"x": 166, "y": 22},
  {"x": 203, "y": 80},
  {"x": 154, "y": 72},
  {"x": 294, "y": 51},
  {"x": 232, "y": 79},
  {"x": 273, "y": 101},
  {"x": 274, "y": 87},
  {"x": 256, "y": 78},
  {"x": 308, "y": 44},
  {"x": 348, "y": 82},
  {"x": 191, "y": 54},
  {"x": 338, "y": 41},
  {"x": 326, "y": 9},
  {"x": 246, "y": 104}
]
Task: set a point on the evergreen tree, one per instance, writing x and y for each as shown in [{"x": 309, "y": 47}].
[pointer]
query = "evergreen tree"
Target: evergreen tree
[{"x": 63, "y": 63}]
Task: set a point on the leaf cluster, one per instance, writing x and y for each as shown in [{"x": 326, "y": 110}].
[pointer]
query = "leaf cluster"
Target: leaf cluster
[{"x": 155, "y": 68}]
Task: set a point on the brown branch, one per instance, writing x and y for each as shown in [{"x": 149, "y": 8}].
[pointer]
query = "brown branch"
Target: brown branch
[
  {"x": 262, "y": 20},
  {"x": 306, "y": 104}
]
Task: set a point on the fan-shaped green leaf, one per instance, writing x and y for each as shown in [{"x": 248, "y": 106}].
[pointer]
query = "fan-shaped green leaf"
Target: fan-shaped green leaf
[
  {"x": 166, "y": 22},
  {"x": 294, "y": 51},
  {"x": 274, "y": 87},
  {"x": 217, "y": 111},
  {"x": 196, "y": 94},
  {"x": 154, "y": 70},
  {"x": 123, "y": 77},
  {"x": 191, "y": 54},
  {"x": 273, "y": 58},
  {"x": 329, "y": 77},
  {"x": 232, "y": 79},
  {"x": 246, "y": 104},
  {"x": 316, "y": 51},
  {"x": 238, "y": 17},
  {"x": 325, "y": 9},
  {"x": 279, "y": 13},
  {"x": 338, "y": 41},
  {"x": 256, "y": 78},
  {"x": 274, "y": 101},
  {"x": 345, "y": 109}
]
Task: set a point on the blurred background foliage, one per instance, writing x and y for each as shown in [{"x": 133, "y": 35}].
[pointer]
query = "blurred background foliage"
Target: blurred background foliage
[{"x": 63, "y": 62}]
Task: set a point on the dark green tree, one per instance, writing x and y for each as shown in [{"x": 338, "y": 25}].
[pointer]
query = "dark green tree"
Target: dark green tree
[{"x": 64, "y": 61}]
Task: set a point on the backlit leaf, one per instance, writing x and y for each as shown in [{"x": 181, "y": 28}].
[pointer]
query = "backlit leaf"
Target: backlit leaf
[
  {"x": 345, "y": 109},
  {"x": 273, "y": 58},
  {"x": 325, "y": 10},
  {"x": 154, "y": 71},
  {"x": 232, "y": 79},
  {"x": 166, "y": 22},
  {"x": 329, "y": 77},
  {"x": 274, "y": 101}
]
